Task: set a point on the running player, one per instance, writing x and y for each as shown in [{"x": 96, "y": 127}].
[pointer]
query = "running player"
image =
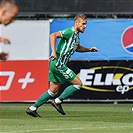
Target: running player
[
  {"x": 59, "y": 73},
  {"x": 8, "y": 12}
]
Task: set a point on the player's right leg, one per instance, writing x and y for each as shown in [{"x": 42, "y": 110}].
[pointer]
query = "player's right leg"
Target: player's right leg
[
  {"x": 70, "y": 90},
  {"x": 69, "y": 76},
  {"x": 53, "y": 90}
]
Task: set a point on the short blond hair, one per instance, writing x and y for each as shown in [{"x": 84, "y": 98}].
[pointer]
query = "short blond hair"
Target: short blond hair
[
  {"x": 82, "y": 16},
  {"x": 4, "y": 3}
]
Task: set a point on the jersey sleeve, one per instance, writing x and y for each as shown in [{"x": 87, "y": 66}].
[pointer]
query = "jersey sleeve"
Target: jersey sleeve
[{"x": 67, "y": 33}]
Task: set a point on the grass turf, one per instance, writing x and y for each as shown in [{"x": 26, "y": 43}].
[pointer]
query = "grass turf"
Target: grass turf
[{"x": 79, "y": 118}]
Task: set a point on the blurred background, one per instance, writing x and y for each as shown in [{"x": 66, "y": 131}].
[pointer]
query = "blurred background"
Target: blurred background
[{"x": 107, "y": 75}]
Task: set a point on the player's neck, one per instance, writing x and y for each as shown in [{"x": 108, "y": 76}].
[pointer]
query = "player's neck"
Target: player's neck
[{"x": 76, "y": 30}]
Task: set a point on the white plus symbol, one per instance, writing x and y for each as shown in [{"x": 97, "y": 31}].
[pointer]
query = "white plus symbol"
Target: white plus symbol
[{"x": 26, "y": 80}]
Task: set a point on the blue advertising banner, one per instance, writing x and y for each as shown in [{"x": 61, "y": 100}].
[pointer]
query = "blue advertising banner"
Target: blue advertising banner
[{"x": 113, "y": 38}]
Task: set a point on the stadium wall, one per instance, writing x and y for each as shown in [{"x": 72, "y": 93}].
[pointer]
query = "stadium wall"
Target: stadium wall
[
  {"x": 24, "y": 76},
  {"x": 107, "y": 75}
]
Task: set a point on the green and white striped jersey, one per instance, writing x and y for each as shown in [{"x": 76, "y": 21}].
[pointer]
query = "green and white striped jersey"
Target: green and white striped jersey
[{"x": 68, "y": 44}]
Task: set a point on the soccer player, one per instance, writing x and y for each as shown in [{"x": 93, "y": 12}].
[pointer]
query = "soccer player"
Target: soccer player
[
  {"x": 8, "y": 12},
  {"x": 59, "y": 73}
]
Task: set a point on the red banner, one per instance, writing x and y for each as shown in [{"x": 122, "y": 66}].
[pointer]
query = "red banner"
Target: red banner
[{"x": 23, "y": 80}]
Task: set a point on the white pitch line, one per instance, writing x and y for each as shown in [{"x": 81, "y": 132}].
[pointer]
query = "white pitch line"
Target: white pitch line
[
  {"x": 62, "y": 129},
  {"x": 116, "y": 127},
  {"x": 54, "y": 129}
]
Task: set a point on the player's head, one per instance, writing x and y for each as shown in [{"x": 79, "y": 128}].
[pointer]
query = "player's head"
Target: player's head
[
  {"x": 80, "y": 21},
  {"x": 8, "y": 11}
]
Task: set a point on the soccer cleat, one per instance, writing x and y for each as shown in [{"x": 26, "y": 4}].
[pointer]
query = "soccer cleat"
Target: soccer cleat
[
  {"x": 32, "y": 113},
  {"x": 58, "y": 107}
]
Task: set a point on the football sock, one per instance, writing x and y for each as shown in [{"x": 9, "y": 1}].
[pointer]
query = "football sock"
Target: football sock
[
  {"x": 57, "y": 100},
  {"x": 32, "y": 108},
  {"x": 43, "y": 98},
  {"x": 70, "y": 90}
]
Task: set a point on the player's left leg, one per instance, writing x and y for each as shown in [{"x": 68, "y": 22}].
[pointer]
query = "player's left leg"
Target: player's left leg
[{"x": 52, "y": 91}]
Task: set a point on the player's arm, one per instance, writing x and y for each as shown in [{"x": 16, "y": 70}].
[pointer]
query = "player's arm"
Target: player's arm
[
  {"x": 4, "y": 40},
  {"x": 83, "y": 49},
  {"x": 53, "y": 38}
]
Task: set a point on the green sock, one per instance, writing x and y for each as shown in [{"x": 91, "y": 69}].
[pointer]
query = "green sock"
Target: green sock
[
  {"x": 70, "y": 90},
  {"x": 43, "y": 98}
]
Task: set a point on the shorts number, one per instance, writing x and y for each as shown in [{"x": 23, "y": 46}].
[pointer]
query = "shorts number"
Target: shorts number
[{"x": 69, "y": 73}]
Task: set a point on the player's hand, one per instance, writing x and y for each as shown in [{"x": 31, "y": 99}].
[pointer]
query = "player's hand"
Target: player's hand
[
  {"x": 5, "y": 40},
  {"x": 53, "y": 56},
  {"x": 93, "y": 49},
  {"x": 4, "y": 56}
]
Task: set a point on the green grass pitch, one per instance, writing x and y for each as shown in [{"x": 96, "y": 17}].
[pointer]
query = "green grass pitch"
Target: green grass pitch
[{"x": 79, "y": 118}]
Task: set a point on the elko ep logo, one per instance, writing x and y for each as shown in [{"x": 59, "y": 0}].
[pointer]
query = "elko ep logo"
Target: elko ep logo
[
  {"x": 94, "y": 79},
  {"x": 127, "y": 39}
]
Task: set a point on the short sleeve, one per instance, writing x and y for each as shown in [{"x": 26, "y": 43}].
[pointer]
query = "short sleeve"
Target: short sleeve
[{"x": 67, "y": 33}]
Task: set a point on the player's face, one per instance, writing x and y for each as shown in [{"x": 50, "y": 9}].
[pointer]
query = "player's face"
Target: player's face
[
  {"x": 8, "y": 16},
  {"x": 81, "y": 25}
]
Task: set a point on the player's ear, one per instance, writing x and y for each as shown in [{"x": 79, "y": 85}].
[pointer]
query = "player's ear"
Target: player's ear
[
  {"x": 3, "y": 12},
  {"x": 77, "y": 22}
]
